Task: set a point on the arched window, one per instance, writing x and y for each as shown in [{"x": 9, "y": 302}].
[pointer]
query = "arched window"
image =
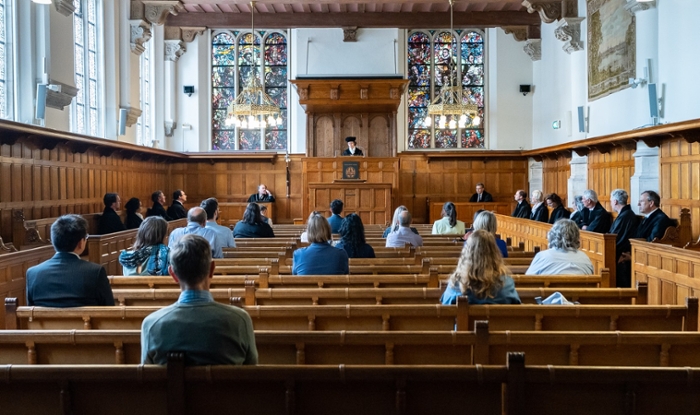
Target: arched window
[
  {"x": 431, "y": 54},
  {"x": 86, "y": 117},
  {"x": 6, "y": 96},
  {"x": 232, "y": 67}
]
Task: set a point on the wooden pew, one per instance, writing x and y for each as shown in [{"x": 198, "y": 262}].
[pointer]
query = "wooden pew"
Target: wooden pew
[
  {"x": 414, "y": 317},
  {"x": 6, "y": 248},
  {"x": 13, "y": 269},
  {"x": 30, "y": 233}
]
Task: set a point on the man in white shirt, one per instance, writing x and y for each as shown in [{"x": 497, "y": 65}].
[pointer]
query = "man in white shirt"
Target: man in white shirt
[
  {"x": 211, "y": 206},
  {"x": 404, "y": 234},
  {"x": 196, "y": 220}
]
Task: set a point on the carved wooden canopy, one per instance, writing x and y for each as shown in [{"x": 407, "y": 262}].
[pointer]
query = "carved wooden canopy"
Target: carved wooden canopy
[{"x": 350, "y": 95}]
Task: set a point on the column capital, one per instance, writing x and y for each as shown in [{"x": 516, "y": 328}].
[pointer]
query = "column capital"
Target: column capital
[
  {"x": 157, "y": 11},
  {"x": 552, "y": 10},
  {"x": 140, "y": 34},
  {"x": 634, "y": 6},
  {"x": 174, "y": 49},
  {"x": 65, "y": 7},
  {"x": 533, "y": 48},
  {"x": 132, "y": 115},
  {"x": 569, "y": 32}
]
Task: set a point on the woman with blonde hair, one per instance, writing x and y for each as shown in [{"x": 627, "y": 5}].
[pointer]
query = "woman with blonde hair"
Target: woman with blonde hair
[
  {"x": 395, "y": 222},
  {"x": 320, "y": 257},
  {"x": 481, "y": 274},
  {"x": 486, "y": 220},
  {"x": 448, "y": 225}
]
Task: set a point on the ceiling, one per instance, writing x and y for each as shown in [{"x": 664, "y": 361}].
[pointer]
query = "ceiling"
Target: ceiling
[{"x": 273, "y": 14}]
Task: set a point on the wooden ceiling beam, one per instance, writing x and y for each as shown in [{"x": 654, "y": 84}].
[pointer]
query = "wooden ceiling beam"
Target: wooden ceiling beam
[{"x": 366, "y": 20}]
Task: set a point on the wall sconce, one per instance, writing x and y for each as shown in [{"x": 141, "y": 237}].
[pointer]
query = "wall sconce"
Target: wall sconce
[
  {"x": 188, "y": 89},
  {"x": 525, "y": 89}
]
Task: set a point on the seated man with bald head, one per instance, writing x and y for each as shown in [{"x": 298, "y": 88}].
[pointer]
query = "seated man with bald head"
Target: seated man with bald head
[
  {"x": 196, "y": 222},
  {"x": 404, "y": 234},
  {"x": 208, "y": 333}
]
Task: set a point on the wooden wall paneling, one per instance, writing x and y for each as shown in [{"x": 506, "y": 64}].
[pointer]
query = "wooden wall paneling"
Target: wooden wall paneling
[
  {"x": 679, "y": 182},
  {"x": 610, "y": 171},
  {"x": 555, "y": 176},
  {"x": 350, "y": 126},
  {"x": 323, "y": 137},
  {"x": 379, "y": 137}
]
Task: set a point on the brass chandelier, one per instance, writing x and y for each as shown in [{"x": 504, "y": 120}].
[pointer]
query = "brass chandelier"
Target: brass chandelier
[
  {"x": 253, "y": 108},
  {"x": 450, "y": 101}
]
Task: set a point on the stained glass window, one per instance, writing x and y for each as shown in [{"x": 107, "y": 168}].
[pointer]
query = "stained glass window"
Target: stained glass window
[
  {"x": 5, "y": 59},
  {"x": 143, "y": 125},
  {"x": 233, "y": 60},
  {"x": 434, "y": 58},
  {"x": 86, "y": 117}
]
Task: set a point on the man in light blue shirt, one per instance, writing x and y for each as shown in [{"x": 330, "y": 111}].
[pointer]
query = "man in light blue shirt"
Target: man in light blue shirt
[
  {"x": 404, "y": 235},
  {"x": 196, "y": 220},
  {"x": 211, "y": 206},
  {"x": 207, "y": 332}
]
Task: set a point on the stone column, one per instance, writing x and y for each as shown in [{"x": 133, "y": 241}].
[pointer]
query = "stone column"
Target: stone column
[
  {"x": 536, "y": 181},
  {"x": 646, "y": 172},
  {"x": 578, "y": 181}
]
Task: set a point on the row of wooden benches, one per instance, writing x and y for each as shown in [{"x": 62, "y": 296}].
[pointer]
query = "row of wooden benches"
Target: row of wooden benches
[
  {"x": 513, "y": 389},
  {"x": 389, "y": 317},
  {"x": 479, "y": 346}
]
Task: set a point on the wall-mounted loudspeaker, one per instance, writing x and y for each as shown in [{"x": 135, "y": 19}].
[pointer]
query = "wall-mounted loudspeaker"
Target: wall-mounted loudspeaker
[
  {"x": 122, "y": 121},
  {"x": 653, "y": 102},
  {"x": 525, "y": 89},
  {"x": 582, "y": 120},
  {"x": 40, "y": 112}
]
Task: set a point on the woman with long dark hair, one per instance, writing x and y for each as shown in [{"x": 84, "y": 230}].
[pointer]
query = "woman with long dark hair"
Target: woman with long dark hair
[
  {"x": 149, "y": 255},
  {"x": 448, "y": 225},
  {"x": 252, "y": 225},
  {"x": 352, "y": 238},
  {"x": 133, "y": 216}
]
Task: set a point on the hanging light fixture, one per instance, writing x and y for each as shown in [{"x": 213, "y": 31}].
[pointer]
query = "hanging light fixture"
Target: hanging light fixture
[
  {"x": 253, "y": 108},
  {"x": 450, "y": 99}
]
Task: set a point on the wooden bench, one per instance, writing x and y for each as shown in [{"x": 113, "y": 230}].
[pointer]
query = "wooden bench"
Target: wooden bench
[
  {"x": 415, "y": 317},
  {"x": 30, "y": 233},
  {"x": 13, "y": 269}
]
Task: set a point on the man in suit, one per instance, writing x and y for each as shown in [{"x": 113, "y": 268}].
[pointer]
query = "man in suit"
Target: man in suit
[
  {"x": 522, "y": 210},
  {"x": 65, "y": 280},
  {"x": 625, "y": 226},
  {"x": 196, "y": 224},
  {"x": 481, "y": 195},
  {"x": 655, "y": 220},
  {"x": 598, "y": 219},
  {"x": 177, "y": 209},
  {"x": 158, "y": 199},
  {"x": 209, "y": 333},
  {"x": 335, "y": 220},
  {"x": 352, "y": 149},
  {"x": 109, "y": 221},
  {"x": 263, "y": 195}
]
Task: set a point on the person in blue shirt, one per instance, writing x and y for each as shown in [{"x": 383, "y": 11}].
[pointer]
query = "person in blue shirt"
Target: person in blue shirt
[
  {"x": 481, "y": 274},
  {"x": 319, "y": 258},
  {"x": 336, "y": 220}
]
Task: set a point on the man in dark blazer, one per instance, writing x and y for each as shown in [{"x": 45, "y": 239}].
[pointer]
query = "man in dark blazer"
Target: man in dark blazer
[
  {"x": 598, "y": 219},
  {"x": 352, "y": 149},
  {"x": 481, "y": 195},
  {"x": 158, "y": 199},
  {"x": 65, "y": 280},
  {"x": 110, "y": 221},
  {"x": 625, "y": 227},
  {"x": 655, "y": 221},
  {"x": 522, "y": 210},
  {"x": 177, "y": 209}
]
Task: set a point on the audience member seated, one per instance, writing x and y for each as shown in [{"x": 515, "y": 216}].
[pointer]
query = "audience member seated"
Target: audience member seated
[
  {"x": 580, "y": 213},
  {"x": 481, "y": 195},
  {"x": 263, "y": 195},
  {"x": 394, "y": 226},
  {"x": 319, "y": 258},
  {"x": 539, "y": 211},
  {"x": 481, "y": 274},
  {"x": 486, "y": 220},
  {"x": 352, "y": 238},
  {"x": 252, "y": 225},
  {"x": 207, "y": 332},
  {"x": 263, "y": 213},
  {"x": 110, "y": 221},
  {"x": 655, "y": 220},
  {"x": 625, "y": 227},
  {"x": 177, "y": 209},
  {"x": 196, "y": 222},
  {"x": 65, "y": 280},
  {"x": 563, "y": 256},
  {"x": 522, "y": 210},
  {"x": 404, "y": 235},
  {"x": 558, "y": 210},
  {"x": 211, "y": 206},
  {"x": 598, "y": 219},
  {"x": 133, "y": 213},
  {"x": 448, "y": 224},
  {"x": 335, "y": 220},
  {"x": 149, "y": 255},
  {"x": 158, "y": 199}
]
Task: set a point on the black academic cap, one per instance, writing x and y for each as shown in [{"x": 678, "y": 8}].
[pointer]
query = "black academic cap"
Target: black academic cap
[{"x": 349, "y": 139}]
